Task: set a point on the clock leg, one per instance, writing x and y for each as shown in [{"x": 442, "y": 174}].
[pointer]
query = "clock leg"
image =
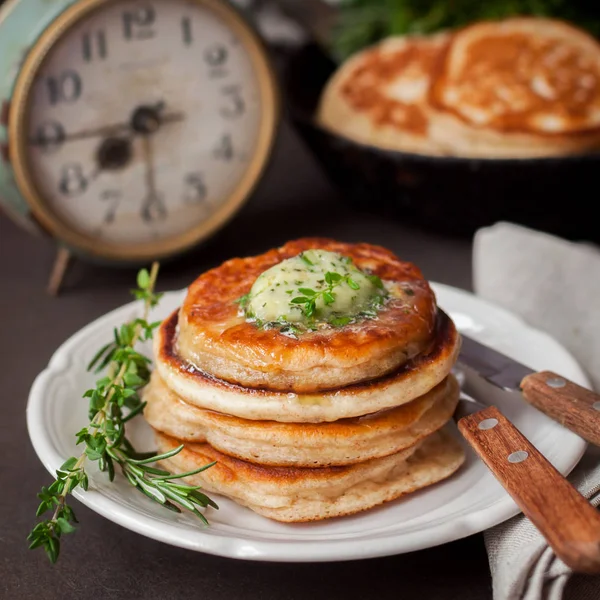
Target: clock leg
[{"x": 59, "y": 269}]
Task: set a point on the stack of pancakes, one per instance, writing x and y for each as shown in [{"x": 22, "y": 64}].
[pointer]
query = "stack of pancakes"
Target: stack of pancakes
[
  {"x": 522, "y": 87},
  {"x": 317, "y": 425}
]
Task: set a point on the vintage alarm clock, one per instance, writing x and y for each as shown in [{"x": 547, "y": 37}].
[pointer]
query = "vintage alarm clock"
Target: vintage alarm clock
[{"x": 131, "y": 129}]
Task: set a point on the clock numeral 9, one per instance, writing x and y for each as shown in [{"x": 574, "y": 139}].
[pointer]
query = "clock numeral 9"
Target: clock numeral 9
[
  {"x": 92, "y": 44},
  {"x": 72, "y": 180},
  {"x": 64, "y": 88},
  {"x": 49, "y": 136},
  {"x": 113, "y": 197},
  {"x": 137, "y": 24},
  {"x": 224, "y": 149},
  {"x": 195, "y": 191},
  {"x": 235, "y": 105}
]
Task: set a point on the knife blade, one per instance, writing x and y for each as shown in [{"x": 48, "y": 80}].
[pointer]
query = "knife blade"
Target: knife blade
[{"x": 568, "y": 403}]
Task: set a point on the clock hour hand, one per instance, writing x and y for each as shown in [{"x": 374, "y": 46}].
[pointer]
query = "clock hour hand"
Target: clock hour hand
[{"x": 147, "y": 120}]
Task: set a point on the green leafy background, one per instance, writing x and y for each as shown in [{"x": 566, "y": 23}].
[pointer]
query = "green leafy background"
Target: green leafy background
[{"x": 363, "y": 22}]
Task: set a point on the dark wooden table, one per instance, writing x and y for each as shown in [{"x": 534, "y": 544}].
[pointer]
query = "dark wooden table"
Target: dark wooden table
[{"x": 103, "y": 560}]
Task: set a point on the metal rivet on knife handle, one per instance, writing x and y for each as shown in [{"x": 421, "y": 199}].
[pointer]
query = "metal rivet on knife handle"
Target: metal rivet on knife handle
[
  {"x": 570, "y": 404},
  {"x": 570, "y": 524},
  {"x": 488, "y": 424},
  {"x": 518, "y": 456}
]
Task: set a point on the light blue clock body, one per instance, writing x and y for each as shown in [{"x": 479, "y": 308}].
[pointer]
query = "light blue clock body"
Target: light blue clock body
[{"x": 21, "y": 23}]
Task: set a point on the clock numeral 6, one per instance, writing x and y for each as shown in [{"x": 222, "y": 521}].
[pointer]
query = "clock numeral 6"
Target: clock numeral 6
[
  {"x": 195, "y": 188},
  {"x": 153, "y": 208},
  {"x": 49, "y": 136},
  {"x": 72, "y": 180},
  {"x": 137, "y": 24},
  {"x": 66, "y": 87},
  {"x": 234, "y": 105}
]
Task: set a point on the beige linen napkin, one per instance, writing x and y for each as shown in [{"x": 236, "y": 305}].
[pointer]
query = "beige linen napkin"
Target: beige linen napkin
[{"x": 555, "y": 286}]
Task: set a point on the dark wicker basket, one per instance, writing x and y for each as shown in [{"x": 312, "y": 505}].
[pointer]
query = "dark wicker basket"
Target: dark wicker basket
[{"x": 450, "y": 195}]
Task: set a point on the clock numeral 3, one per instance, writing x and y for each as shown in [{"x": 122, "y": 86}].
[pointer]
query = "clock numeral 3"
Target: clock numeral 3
[
  {"x": 64, "y": 88},
  {"x": 224, "y": 149},
  {"x": 153, "y": 208},
  {"x": 49, "y": 136},
  {"x": 94, "y": 43},
  {"x": 235, "y": 105},
  {"x": 113, "y": 198},
  {"x": 137, "y": 24},
  {"x": 195, "y": 191},
  {"x": 72, "y": 180}
]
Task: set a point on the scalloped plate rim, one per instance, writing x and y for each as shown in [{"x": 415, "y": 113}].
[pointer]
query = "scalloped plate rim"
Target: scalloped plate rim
[{"x": 277, "y": 550}]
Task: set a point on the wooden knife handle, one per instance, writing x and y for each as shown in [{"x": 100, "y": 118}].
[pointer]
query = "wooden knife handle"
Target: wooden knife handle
[
  {"x": 571, "y": 405},
  {"x": 570, "y": 524}
]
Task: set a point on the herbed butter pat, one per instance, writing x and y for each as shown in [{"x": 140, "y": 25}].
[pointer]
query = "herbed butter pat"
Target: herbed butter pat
[{"x": 315, "y": 286}]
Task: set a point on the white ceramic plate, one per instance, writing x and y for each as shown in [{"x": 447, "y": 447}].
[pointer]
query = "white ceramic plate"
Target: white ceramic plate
[{"x": 469, "y": 502}]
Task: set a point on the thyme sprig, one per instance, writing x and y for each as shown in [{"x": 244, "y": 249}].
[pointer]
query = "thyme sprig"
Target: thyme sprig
[
  {"x": 308, "y": 301},
  {"x": 112, "y": 403}
]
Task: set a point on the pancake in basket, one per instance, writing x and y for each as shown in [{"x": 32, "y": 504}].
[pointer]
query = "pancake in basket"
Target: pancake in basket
[
  {"x": 518, "y": 87},
  {"x": 380, "y": 95},
  {"x": 410, "y": 381},
  {"x": 294, "y": 494},
  {"x": 344, "y": 442},
  {"x": 217, "y": 339}
]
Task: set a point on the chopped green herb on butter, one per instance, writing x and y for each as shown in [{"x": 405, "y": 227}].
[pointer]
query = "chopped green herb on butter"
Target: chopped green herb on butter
[{"x": 327, "y": 288}]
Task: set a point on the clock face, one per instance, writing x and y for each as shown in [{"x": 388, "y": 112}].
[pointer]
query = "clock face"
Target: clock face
[{"x": 143, "y": 122}]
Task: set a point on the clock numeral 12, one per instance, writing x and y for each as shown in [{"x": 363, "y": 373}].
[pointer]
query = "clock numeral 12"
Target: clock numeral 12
[
  {"x": 65, "y": 88},
  {"x": 196, "y": 191},
  {"x": 72, "y": 180},
  {"x": 137, "y": 24},
  {"x": 93, "y": 43}
]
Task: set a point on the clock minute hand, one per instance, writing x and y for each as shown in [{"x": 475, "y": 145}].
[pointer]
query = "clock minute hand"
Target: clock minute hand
[
  {"x": 153, "y": 206},
  {"x": 59, "y": 136}
]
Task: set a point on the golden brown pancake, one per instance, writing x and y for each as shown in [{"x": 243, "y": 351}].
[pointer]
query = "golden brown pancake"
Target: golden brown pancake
[
  {"x": 346, "y": 441},
  {"x": 295, "y": 494},
  {"x": 214, "y": 337},
  {"x": 380, "y": 95},
  {"x": 411, "y": 380},
  {"x": 518, "y": 87}
]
